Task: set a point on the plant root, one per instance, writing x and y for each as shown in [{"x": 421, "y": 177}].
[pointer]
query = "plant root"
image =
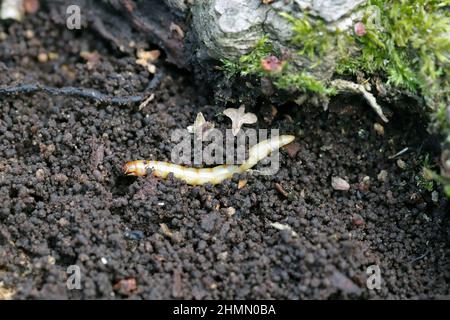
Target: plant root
[{"x": 348, "y": 86}]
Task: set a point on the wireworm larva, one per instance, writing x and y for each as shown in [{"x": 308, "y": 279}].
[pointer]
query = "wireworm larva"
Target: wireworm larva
[{"x": 198, "y": 176}]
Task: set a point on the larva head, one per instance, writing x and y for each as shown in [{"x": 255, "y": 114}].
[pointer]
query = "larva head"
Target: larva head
[
  {"x": 286, "y": 139},
  {"x": 135, "y": 168}
]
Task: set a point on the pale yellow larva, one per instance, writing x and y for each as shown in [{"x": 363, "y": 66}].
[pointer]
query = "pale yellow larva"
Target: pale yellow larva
[{"x": 215, "y": 175}]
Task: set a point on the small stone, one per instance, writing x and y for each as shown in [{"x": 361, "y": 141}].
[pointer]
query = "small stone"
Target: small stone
[
  {"x": 231, "y": 211},
  {"x": 284, "y": 227},
  {"x": 126, "y": 286},
  {"x": 104, "y": 261},
  {"x": 222, "y": 256},
  {"x": 11, "y": 9},
  {"x": 29, "y": 34},
  {"x": 51, "y": 260},
  {"x": 339, "y": 184},
  {"x": 401, "y": 164},
  {"x": 382, "y": 176},
  {"x": 40, "y": 175},
  {"x": 379, "y": 129},
  {"x": 42, "y": 57},
  {"x": 63, "y": 222},
  {"x": 53, "y": 56},
  {"x": 151, "y": 68}
]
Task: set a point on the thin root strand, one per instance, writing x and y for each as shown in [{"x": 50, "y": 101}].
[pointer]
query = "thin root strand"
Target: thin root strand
[{"x": 91, "y": 94}]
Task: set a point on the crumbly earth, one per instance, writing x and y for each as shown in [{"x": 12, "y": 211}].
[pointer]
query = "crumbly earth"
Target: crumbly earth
[{"x": 64, "y": 200}]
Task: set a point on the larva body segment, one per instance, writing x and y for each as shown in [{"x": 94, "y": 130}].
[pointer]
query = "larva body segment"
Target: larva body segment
[
  {"x": 215, "y": 175},
  {"x": 263, "y": 149},
  {"x": 192, "y": 176}
]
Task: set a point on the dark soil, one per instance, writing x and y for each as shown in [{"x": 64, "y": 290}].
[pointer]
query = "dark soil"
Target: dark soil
[{"x": 64, "y": 200}]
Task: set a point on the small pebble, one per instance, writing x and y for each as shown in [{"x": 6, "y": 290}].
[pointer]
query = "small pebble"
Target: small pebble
[
  {"x": 339, "y": 184},
  {"x": 42, "y": 57},
  {"x": 401, "y": 164},
  {"x": 231, "y": 211},
  {"x": 51, "y": 260},
  {"x": 126, "y": 286},
  {"x": 379, "y": 129},
  {"x": 382, "y": 176},
  {"x": 63, "y": 222},
  {"x": 40, "y": 175},
  {"x": 29, "y": 34},
  {"x": 222, "y": 256}
]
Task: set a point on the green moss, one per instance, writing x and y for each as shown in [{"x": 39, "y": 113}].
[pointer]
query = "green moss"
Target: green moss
[
  {"x": 425, "y": 179},
  {"x": 302, "y": 81},
  {"x": 408, "y": 42},
  {"x": 287, "y": 79},
  {"x": 441, "y": 118},
  {"x": 311, "y": 36},
  {"x": 249, "y": 64}
]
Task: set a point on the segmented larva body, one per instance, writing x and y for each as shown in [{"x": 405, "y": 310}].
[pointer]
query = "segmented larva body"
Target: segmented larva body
[
  {"x": 215, "y": 175},
  {"x": 192, "y": 176}
]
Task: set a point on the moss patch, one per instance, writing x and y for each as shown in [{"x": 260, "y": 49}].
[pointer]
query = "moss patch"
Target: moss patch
[
  {"x": 405, "y": 43},
  {"x": 286, "y": 78},
  {"x": 408, "y": 42}
]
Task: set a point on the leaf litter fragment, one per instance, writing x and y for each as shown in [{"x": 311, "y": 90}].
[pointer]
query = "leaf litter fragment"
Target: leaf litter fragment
[
  {"x": 239, "y": 117},
  {"x": 201, "y": 128}
]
